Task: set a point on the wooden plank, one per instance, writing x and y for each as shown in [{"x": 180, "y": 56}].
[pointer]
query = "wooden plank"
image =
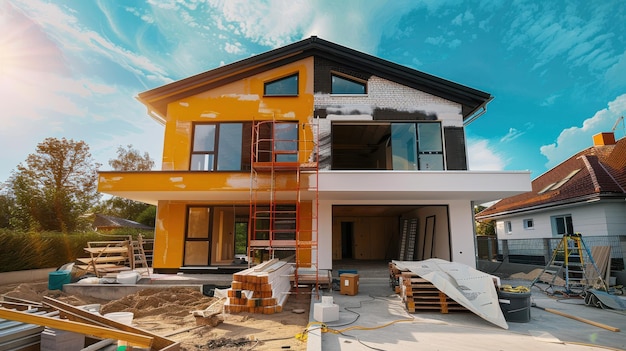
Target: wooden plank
[
  {"x": 84, "y": 316},
  {"x": 81, "y": 315},
  {"x": 97, "y": 250},
  {"x": 102, "y": 259},
  {"x": 77, "y": 327}
]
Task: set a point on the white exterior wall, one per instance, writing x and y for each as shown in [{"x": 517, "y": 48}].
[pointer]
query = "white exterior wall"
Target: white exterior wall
[
  {"x": 592, "y": 219},
  {"x": 460, "y": 226},
  {"x": 462, "y": 234}
]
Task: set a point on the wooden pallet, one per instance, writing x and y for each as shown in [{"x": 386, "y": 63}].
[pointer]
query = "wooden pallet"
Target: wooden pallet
[{"x": 419, "y": 294}]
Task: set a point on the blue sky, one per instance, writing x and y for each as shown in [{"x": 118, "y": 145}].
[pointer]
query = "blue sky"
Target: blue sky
[{"x": 556, "y": 69}]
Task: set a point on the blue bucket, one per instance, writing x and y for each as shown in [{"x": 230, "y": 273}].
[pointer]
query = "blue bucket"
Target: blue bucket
[{"x": 56, "y": 279}]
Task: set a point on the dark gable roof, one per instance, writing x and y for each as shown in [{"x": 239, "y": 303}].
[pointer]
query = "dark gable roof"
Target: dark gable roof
[
  {"x": 601, "y": 175},
  {"x": 157, "y": 99}
]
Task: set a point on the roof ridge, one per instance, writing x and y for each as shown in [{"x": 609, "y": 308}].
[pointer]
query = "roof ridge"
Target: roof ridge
[{"x": 592, "y": 172}]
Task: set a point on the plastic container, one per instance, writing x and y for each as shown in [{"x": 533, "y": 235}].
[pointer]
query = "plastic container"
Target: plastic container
[
  {"x": 515, "y": 306},
  {"x": 121, "y": 317},
  {"x": 56, "y": 279}
]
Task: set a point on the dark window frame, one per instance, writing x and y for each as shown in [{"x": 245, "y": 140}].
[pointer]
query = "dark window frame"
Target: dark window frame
[
  {"x": 245, "y": 163},
  {"x": 281, "y": 79},
  {"x": 349, "y": 79}
]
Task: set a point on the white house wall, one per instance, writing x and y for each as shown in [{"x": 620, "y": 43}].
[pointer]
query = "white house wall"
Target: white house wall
[
  {"x": 592, "y": 219},
  {"x": 460, "y": 221},
  {"x": 381, "y": 94}
]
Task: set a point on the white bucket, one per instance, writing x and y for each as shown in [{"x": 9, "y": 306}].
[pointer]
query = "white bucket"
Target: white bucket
[{"x": 121, "y": 317}]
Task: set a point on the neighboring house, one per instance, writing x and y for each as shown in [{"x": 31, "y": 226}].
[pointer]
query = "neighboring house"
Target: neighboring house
[
  {"x": 584, "y": 194},
  {"x": 103, "y": 222},
  {"x": 315, "y": 151}
]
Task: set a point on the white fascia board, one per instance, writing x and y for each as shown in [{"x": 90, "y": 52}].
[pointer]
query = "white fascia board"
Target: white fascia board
[{"x": 477, "y": 186}]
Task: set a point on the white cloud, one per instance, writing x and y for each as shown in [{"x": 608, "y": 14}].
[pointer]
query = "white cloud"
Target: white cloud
[
  {"x": 616, "y": 75},
  {"x": 511, "y": 135},
  {"x": 550, "y": 100},
  {"x": 577, "y": 138},
  {"x": 547, "y": 32},
  {"x": 483, "y": 157}
]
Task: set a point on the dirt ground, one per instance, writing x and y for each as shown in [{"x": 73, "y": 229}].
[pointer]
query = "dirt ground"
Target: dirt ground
[{"x": 168, "y": 312}]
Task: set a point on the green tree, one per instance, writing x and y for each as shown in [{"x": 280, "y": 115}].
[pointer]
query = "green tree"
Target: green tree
[
  {"x": 6, "y": 206},
  {"x": 485, "y": 227},
  {"x": 128, "y": 160},
  {"x": 55, "y": 186}
]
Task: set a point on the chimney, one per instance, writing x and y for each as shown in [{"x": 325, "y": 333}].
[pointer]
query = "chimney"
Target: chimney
[{"x": 601, "y": 139}]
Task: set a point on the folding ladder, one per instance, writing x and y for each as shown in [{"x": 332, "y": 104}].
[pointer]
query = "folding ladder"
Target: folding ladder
[{"x": 571, "y": 267}]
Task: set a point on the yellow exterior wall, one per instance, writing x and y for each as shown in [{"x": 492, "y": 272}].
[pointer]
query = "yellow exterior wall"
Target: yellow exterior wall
[
  {"x": 236, "y": 102},
  {"x": 169, "y": 235},
  {"x": 240, "y": 101}
]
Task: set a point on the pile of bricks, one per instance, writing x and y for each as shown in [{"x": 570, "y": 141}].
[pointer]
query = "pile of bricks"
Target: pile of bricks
[
  {"x": 419, "y": 294},
  {"x": 260, "y": 289}
]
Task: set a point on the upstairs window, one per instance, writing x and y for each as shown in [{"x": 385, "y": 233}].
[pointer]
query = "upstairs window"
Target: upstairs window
[
  {"x": 344, "y": 85},
  {"x": 220, "y": 147},
  {"x": 398, "y": 146},
  {"x": 287, "y": 86}
]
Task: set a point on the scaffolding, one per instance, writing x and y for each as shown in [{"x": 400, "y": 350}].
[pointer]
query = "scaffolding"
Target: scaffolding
[{"x": 284, "y": 197}]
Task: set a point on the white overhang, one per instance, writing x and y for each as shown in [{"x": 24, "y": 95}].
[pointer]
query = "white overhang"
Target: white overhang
[
  {"x": 418, "y": 186},
  {"x": 477, "y": 186}
]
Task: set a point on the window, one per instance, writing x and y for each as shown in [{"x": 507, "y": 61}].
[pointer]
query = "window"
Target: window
[
  {"x": 287, "y": 86},
  {"x": 221, "y": 147},
  {"x": 558, "y": 184},
  {"x": 344, "y": 85},
  {"x": 508, "y": 228},
  {"x": 430, "y": 146},
  {"x": 562, "y": 225},
  {"x": 277, "y": 141},
  {"x": 387, "y": 146},
  {"x": 528, "y": 224}
]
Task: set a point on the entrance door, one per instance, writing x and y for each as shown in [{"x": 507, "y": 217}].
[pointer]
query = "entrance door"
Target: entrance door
[{"x": 197, "y": 239}]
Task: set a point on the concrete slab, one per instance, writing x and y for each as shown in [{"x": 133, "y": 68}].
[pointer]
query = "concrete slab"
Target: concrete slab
[{"x": 376, "y": 318}]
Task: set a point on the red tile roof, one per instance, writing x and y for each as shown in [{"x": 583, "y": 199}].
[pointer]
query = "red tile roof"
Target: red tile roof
[{"x": 602, "y": 174}]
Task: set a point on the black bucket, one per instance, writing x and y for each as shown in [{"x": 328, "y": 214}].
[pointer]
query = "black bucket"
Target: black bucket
[{"x": 515, "y": 306}]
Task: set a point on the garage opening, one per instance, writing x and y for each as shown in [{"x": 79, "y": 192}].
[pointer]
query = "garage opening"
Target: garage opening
[{"x": 391, "y": 232}]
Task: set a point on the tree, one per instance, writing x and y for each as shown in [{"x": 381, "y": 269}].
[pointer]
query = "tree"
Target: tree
[
  {"x": 129, "y": 159},
  {"x": 485, "y": 227},
  {"x": 55, "y": 186}
]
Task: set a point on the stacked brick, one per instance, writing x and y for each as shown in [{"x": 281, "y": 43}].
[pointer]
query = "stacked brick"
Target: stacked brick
[
  {"x": 261, "y": 289},
  {"x": 419, "y": 294}
]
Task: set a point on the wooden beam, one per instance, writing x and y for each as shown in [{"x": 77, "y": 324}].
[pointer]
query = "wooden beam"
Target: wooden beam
[
  {"x": 81, "y": 315},
  {"x": 82, "y": 328}
]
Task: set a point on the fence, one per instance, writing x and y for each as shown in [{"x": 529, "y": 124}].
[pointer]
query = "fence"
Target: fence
[{"x": 539, "y": 251}]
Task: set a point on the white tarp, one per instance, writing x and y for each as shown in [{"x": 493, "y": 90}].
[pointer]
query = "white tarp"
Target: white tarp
[{"x": 473, "y": 289}]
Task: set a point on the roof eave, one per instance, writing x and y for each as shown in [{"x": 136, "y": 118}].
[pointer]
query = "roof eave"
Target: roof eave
[
  {"x": 572, "y": 201},
  {"x": 471, "y": 99}
]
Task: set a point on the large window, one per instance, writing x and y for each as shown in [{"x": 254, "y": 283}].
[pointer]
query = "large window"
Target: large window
[
  {"x": 277, "y": 141},
  {"x": 388, "y": 146},
  {"x": 562, "y": 225},
  {"x": 221, "y": 147}
]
